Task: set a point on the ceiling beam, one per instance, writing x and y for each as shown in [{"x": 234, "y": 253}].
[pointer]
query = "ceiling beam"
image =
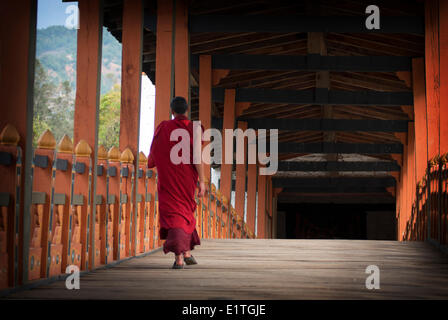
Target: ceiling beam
[
  {"x": 328, "y": 124},
  {"x": 310, "y": 62},
  {"x": 281, "y": 24},
  {"x": 339, "y": 182},
  {"x": 319, "y": 96},
  {"x": 348, "y": 148},
  {"x": 315, "y": 166},
  {"x": 335, "y": 190}
]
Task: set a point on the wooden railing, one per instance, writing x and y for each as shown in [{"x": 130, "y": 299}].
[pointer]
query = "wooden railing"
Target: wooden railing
[
  {"x": 429, "y": 215},
  {"x": 63, "y": 230}
]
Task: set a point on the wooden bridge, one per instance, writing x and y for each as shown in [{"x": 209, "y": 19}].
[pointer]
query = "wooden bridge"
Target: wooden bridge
[{"x": 360, "y": 114}]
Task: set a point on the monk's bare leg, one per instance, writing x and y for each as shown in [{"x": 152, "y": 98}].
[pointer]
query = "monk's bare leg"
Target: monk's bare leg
[{"x": 187, "y": 254}]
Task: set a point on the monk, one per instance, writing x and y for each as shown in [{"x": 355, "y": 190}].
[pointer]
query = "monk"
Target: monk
[{"x": 177, "y": 184}]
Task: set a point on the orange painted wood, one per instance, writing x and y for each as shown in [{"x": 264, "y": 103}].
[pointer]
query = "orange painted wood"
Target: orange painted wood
[
  {"x": 404, "y": 194},
  {"x": 100, "y": 218},
  {"x": 432, "y": 75},
  {"x": 411, "y": 173},
  {"x": 164, "y": 59},
  {"x": 8, "y": 216},
  {"x": 62, "y": 185},
  {"x": 421, "y": 133},
  {"x": 182, "y": 51},
  {"x": 80, "y": 216},
  {"x": 240, "y": 185},
  {"x": 443, "y": 52},
  {"x": 228, "y": 123},
  {"x": 251, "y": 196},
  {"x": 113, "y": 210},
  {"x": 142, "y": 213},
  {"x": 17, "y": 55},
  {"x": 42, "y": 183},
  {"x": 205, "y": 99},
  {"x": 132, "y": 39},
  {"x": 261, "y": 214},
  {"x": 127, "y": 210},
  {"x": 88, "y": 66},
  {"x": 152, "y": 188}
]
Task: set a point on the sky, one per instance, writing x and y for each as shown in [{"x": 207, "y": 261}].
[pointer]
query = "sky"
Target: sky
[{"x": 53, "y": 12}]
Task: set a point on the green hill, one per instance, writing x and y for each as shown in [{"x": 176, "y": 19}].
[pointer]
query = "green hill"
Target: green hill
[{"x": 56, "y": 50}]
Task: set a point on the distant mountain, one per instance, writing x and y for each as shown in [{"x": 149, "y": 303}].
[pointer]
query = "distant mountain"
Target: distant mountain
[{"x": 56, "y": 50}]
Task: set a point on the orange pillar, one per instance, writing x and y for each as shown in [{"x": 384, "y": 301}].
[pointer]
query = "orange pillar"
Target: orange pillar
[
  {"x": 228, "y": 123},
  {"x": 17, "y": 56},
  {"x": 132, "y": 43},
  {"x": 182, "y": 51},
  {"x": 432, "y": 75},
  {"x": 251, "y": 196},
  {"x": 240, "y": 184},
  {"x": 411, "y": 173},
  {"x": 443, "y": 51},
  {"x": 421, "y": 133},
  {"x": 261, "y": 212},
  {"x": 132, "y": 38},
  {"x": 164, "y": 61},
  {"x": 88, "y": 67},
  {"x": 205, "y": 98}
]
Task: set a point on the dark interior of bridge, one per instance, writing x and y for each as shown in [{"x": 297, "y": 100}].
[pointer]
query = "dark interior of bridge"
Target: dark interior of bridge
[{"x": 336, "y": 221}]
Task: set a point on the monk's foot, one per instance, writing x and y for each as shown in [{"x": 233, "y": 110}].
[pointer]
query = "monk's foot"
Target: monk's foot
[
  {"x": 187, "y": 254},
  {"x": 179, "y": 260}
]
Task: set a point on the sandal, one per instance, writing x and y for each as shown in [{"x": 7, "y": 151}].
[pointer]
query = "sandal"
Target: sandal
[
  {"x": 177, "y": 266},
  {"x": 190, "y": 260}
]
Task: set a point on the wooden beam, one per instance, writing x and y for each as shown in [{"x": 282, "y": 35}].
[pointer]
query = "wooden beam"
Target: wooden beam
[
  {"x": 319, "y": 96},
  {"x": 337, "y": 166},
  {"x": 164, "y": 61},
  {"x": 205, "y": 98},
  {"x": 443, "y": 52},
  {"x": 240, "y": 185},
  {"x": 432, "y": 65},
  {"x": 310, "y": 62},
  {"x": 261, "y": 212},
  {"x": 182, "y": 51},
  {"x": 336, "y": 190},
  {"x": 323, "y": 147},
  {"x": 421, "y": 134},
  {"x": 88, "y": 85},
  {"x": 228, "y": 123},
  {"x": 333, "y": 182},
  {"x": 18, "y": 56},
  {"x": 132, "y": 39},
  {"x": 252, "y": 173},
  {"x": 328, "y": 124},
  {"x": 340, "y": 24}
]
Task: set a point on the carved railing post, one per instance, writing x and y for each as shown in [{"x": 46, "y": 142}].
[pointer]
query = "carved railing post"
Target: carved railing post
[
  {"x": 60, "y": 225},
  {"x": 113, "y": 244},
  {"x": 10, "y": 188},
  {"x": 80, "y": 204},
  {"x": 142, "y": 214},
  {"x": 101, "y": 217},
  {"x": 41, "y": 219},
  {"x": 126, "y": 195}
]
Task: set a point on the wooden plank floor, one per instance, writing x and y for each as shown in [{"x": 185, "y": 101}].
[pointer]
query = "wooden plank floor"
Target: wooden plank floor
[{"x": 269, "y": 269}]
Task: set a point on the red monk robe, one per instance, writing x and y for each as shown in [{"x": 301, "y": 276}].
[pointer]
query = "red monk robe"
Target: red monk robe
[{"x": 176, "y": 186}]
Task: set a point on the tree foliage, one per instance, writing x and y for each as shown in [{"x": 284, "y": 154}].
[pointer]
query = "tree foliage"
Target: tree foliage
[
  {"x": 54, "y": 110},
  {"x": 109, "y": 118},
  {"x": 53, "y": 106}
]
